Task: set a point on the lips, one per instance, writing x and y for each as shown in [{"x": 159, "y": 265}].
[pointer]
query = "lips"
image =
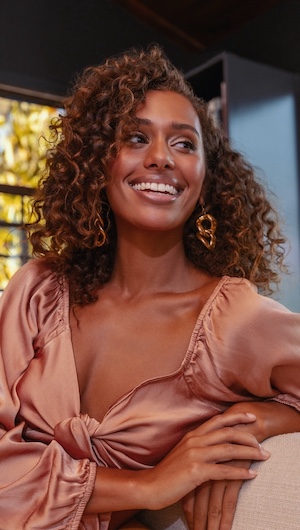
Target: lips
[{"x": 156, "y": 187}]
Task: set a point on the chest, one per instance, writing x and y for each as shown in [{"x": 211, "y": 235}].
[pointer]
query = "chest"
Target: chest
[{"x": 119, "y": 345}]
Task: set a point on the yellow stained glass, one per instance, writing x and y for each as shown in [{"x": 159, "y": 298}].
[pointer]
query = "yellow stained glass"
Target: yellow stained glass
[
  {"x": 14, "y": 208},
  {"x": 14, "y": 251},
  {"x": 8, "y": 266},
  {"x": 24, "y": 127},
  {"x": 13, "y": 242}
]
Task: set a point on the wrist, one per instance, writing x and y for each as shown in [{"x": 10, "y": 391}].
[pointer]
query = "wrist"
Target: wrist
[
  {"x": 272, "y": 418},
  {"x": 149, "y": 491},
  {"x": 119, "y": 490}
]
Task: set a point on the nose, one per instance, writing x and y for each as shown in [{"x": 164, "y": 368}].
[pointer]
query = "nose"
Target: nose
[{"x": 159, "y": 155}]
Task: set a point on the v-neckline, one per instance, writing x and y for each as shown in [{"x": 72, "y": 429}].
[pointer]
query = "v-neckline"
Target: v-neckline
[{"x": 184, "y": 364}]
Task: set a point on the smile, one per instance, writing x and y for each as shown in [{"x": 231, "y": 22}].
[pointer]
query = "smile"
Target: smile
[{"x": 154, "y": 186}]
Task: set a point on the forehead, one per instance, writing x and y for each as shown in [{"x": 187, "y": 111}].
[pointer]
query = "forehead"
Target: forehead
[{"x": 160, "y": 106}]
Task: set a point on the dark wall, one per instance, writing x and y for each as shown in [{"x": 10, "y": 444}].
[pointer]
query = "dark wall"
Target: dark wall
[
  {"x": 44, "y": 43},
  {"x": 272, "y": 38}
]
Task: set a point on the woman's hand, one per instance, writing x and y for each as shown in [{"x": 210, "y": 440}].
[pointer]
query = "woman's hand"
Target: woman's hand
[
  {"x": 204, "y": 455},
  {"x": 201, "y": 456},
  {"x": 212, "y": 505}
]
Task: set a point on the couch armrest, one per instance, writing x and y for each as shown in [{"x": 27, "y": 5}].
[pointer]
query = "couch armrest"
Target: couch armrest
[{"x": 271, "y": 501}]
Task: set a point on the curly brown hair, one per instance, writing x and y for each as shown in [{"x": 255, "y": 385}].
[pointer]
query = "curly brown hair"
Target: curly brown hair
[{"x": 74, "y": 229}]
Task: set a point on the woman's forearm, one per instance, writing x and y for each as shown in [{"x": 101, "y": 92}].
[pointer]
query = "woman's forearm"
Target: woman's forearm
[
  {"x": 272, "y": 418},
  {"x": 200, "y": 456},
  {"x": 117, "y": 490}
]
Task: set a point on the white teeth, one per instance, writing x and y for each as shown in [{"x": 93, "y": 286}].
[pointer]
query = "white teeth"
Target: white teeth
[{"x": 154, "y": 186}]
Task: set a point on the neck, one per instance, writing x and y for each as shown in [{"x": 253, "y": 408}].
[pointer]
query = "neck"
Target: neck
[{"x": 150, "y": 262}]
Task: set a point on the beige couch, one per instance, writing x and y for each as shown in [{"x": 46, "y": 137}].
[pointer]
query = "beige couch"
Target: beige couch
[{"x": 271, "y": 501}]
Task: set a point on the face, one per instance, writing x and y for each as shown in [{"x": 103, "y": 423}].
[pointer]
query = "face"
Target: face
[{"x": 157, "y": 176}]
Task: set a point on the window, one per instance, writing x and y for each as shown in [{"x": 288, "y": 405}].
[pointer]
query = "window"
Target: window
[{"x": 24, "y": 126}]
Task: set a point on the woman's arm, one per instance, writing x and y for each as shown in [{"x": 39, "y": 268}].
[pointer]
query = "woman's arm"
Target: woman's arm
[
  {"x": 254, "y": 343},
  {"x": 201, "y": 455},
  {"x": 212, "y": 505},
  {"x": 41, "y": 485},
  {"x": 272, "y": 418}
]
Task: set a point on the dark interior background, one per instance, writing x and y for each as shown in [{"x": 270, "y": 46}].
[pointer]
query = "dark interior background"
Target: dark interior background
[{"x": 44, "y": 43}]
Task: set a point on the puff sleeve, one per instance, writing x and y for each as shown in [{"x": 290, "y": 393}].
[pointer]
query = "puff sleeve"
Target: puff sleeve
[
  {"x": 253, "y": 343},
  {"x": 41, "y": 485},
  {"x": 248, "y": 348}
]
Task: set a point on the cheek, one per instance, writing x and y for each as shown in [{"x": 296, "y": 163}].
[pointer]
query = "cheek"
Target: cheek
[
  {"x": 120, "y": 167},
  {"x": 198, "y": 173},
  {"x": 115, "y": 188}
]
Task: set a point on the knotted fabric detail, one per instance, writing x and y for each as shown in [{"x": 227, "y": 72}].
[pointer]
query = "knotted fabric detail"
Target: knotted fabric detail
[{"x": 74, "y": 435}]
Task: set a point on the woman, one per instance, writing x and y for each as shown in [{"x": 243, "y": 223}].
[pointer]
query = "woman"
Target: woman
[{"x": 143, "y": 367}]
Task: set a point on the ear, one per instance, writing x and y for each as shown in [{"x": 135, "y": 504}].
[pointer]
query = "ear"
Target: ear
[{"x": 201, "y": 200}]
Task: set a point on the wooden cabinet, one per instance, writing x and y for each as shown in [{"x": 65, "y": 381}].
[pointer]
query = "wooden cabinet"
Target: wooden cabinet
[{"x": 258, "y": 105}]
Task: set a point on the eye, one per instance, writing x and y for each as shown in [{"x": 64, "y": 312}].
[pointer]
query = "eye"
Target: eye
[
  {"x": 137, "y": 138},
  {"x": 185, "y": 145}
]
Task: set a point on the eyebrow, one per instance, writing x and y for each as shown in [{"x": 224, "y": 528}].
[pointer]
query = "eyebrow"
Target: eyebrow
[{"x": 174, "y": 125}]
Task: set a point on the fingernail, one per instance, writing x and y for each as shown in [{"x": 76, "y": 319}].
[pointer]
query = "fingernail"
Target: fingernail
[
  {"x": 250, "y": 415},
  {"x": 264, "y": 452},
  {"x": 253, "y": 472}
]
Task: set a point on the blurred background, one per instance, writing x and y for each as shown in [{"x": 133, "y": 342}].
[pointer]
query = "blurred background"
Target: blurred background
[
  {"x": 44, "y": 43},
  {"x": 243, "y": 57}
]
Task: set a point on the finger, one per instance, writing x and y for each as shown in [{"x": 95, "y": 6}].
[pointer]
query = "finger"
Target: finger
[
  {"x": 188, "y": 503},
  {"x": 231, "y": 451},
  {"x": 225, "y": 435},
  {"x": 220, "y": 454},
  {"x": 226, "y": 472},
  {"x": 226, "y": 420},
  {"x": 230, "y": 499},
  {"x": 219, "y": 423},
  {"x": 215, "y": 505},
  {"x": 201, "y": 506}
]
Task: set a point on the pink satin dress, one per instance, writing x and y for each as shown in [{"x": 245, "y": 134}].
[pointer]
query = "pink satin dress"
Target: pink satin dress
[{"x": 49, "y": 451}]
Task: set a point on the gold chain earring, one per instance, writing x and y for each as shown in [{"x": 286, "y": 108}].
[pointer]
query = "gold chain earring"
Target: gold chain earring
[{"x": 206, "y": 225}]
